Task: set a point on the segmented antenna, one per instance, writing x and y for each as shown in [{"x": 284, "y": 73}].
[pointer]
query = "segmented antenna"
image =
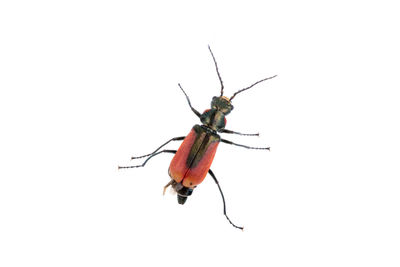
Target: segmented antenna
[
  {"x": 247, "y": 88},
  {"x": 216, "y": 67}
]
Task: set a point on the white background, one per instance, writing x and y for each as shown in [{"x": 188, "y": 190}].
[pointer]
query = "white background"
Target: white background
[{"x": 85, "y": 85}]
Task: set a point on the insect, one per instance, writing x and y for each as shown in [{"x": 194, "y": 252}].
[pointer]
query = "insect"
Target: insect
[{"x": 193, "y": 159}]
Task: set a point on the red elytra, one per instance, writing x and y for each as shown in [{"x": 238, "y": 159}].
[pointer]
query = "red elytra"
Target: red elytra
[{"x": 186, "y": 171}]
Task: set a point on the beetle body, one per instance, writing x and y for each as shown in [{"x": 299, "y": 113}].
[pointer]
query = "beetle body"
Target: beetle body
[
  {"x": 193, "y": 159},
  {"x": 195, "y": 155}
]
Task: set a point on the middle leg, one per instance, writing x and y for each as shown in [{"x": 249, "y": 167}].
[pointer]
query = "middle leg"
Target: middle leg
[
  {"x": 144, "y": 163},
  {"x": 180, "y": 138}
]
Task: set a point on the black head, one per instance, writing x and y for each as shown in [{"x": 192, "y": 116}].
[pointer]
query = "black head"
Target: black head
[{"x": 222, "y": 103}]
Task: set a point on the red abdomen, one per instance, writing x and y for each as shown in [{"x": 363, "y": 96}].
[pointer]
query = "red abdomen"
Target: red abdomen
[{"x": 194, "y": 157}]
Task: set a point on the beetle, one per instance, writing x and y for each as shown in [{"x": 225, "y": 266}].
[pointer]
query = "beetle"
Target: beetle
[{"x": 193, "y": 159}]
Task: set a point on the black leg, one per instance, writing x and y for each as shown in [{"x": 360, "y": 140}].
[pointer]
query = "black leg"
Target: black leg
[
  {"x": 144, "y": 163},
  {"x": 249, "y": 147},
  {"x": 223, "y": 199},
  {"x": 233, "y": 132},
  {"x": 190, "y": 105},
  {"x": 180, "y": 138}
]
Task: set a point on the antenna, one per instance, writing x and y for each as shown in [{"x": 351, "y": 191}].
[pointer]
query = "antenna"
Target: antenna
[
  {"x": 216, "y": 67},
  {"x": 247, "y": 88}
]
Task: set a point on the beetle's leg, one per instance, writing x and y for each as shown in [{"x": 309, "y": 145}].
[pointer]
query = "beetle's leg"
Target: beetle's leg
[
  {"x": 180, "y": 138},
  {"x": 233, "y": 132},
  {"x": 249, "y": 147},
  {"x": 144, "y": 163},
  {"x": 188, "y": 100},
  {"x": 223, "y": 198}
]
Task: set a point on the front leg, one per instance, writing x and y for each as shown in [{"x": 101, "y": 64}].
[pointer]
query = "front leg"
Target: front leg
[
  {"x": 233, "y": 132},
  {"x": 248, "y": 147}
]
